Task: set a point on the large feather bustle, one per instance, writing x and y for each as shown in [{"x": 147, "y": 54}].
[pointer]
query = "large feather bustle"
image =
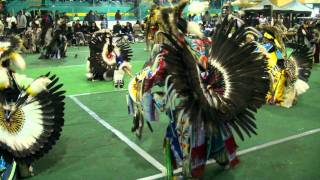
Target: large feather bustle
[
  {"x": 100, "y": 66},
  {"x": 42, "y": 124},
  {"x": 244, "y": 70}
]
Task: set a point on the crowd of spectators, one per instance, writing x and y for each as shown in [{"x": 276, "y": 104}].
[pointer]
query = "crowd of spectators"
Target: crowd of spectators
[{"x": 78, "y": 30}]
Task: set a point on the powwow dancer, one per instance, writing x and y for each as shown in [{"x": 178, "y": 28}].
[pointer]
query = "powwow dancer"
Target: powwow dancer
[
  {"x": 31, "y": 112},
  {"x": 206, "y": 94}
]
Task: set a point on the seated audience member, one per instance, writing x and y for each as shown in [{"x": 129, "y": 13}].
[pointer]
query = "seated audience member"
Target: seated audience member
[{"x": 117, "y": 28}]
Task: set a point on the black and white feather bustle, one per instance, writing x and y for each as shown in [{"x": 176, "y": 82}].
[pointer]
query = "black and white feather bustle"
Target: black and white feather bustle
[
  {"x": 235, "y": 88},
  {"x": 100, "y": 44},
  {"x": 30, "y": 125}
]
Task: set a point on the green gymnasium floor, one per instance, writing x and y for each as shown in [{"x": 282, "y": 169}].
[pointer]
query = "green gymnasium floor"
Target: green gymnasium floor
[{"x": 287, "y": 147}]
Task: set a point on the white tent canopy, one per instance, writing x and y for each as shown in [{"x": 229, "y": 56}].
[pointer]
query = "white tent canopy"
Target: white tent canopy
[
  {"x": 295, "y": 6},
  {"x": 261, "y": 5}
]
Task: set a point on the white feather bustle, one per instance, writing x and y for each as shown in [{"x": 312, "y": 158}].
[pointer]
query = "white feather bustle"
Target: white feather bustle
[
  {"x": 4, "y": 78},
  {"x": 301, "y": 86},
  {"x": 30, "y": 132},
  {"x": 118, "y": 75},
  {"x": 110, "y": 61},
  {"x": 38, "y": 86},
  {"x": 194, "y": 28}
]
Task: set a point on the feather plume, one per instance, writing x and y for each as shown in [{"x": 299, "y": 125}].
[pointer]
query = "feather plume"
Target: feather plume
[
  {"x": 38, "y": 86},
  {"x": 18, "y": 61}
]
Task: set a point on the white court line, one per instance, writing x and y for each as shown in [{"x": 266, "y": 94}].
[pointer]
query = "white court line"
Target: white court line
[
  {"x": 245, "y": 151},
  {"x": 76, "y": 65},
  {"x": 101, "y": 92},
  {"x": 121, "y": 136}
]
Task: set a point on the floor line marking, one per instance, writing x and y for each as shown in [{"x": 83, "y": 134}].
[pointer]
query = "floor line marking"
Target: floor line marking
[
  {"x": 121, "y": 136},
  {"x": 100, "y": 92},
  {"x": 75, "y": 65},
  {"x": 245, "y": 151}
]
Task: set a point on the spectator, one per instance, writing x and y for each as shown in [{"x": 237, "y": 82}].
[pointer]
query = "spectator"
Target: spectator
[
  {"x": 90, "y": 17},
  {"x": 77, "y": 27},
  {"x": 93, "y": 28},
  {"x": 137, "y": 30},
  {"x": 104, "y": 22},
  {"x": 117, "y": 28},
  {"x": 29, "y": 17},
  {"x": 21, "y": 22},
  {"x": 85, "y": 27},
  {"x": 56, "y": 15},
  {"x": 117, "y": 16},
  {"x": 96, "y": 16},
  {"x": 76, "y": 17},
  {"x": 206, "y": 18},
  {"x": 78, "y": 31},
  {"x": 12, "y": 23}
]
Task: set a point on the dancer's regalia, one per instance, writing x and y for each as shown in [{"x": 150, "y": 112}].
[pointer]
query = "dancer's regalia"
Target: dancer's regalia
[
  {"x": 109, "y": 58},
  {"x": 207, "y": 96},
  {"x": 152, "y": 26},
  {"x": 289, "y": 71},
  {"x": 31, "y": 112},
  {"x": 55, "y": 46}
]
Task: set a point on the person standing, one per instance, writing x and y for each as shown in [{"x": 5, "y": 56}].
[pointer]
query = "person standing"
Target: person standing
[
  {"x": 12, "y": 23},
  {"x": 117, "y": 28},
  {"x": 21, "y": 22},
  {"x": 104, "y": 22},
  {"x": 118, "y": 16}
]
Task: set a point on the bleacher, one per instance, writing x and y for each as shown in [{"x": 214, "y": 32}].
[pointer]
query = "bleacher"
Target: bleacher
[{"x": 108, "y": 8}]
